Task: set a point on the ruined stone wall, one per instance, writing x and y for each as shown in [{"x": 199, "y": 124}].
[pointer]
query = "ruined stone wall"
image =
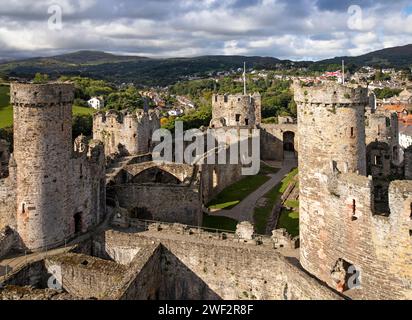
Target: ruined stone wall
[
  {"x": 220, "y": 269},
  {"x": 383, "y": 127},
  {"x": 169, "y": 203},
  {"x": 216, "y": 178},
  {"x": 4, "y": 158},
  {"x": 42, "y": 151},
  {"x": 146, "y": 279},
  {"x": 87, "y": 277},
  {"x": 126, "y": 133},
  {"x": 378, "y": 246},
  {"x": 48, "y": 190},
  {"x": 408, "y": 163},
  {"x": 272, "y": 140},
  {"x": 338, "y": 213},
  {"x": 88, "y": 187},
  {"x": 8, "y": 202},
  {"x": 236, "y": 110},
  {"x": 8, "y": 240}
]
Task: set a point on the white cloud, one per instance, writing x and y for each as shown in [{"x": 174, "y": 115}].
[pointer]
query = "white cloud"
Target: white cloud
[{"x": 300, "y": 29}]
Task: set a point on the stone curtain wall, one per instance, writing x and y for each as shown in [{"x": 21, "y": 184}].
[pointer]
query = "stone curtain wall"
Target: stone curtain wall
[
  {"x": 192, "y": 268},
  {"x": 169, "y": 203},
  {"x": 271, "y": 140},
  {"x": 236, "y": 110},
  {"x": 338, "y": 219},
  {"x": 53, "y": 182},
  {"x": 126, "y": 133}
]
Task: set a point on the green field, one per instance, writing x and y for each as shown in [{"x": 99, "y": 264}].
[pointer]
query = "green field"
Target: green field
[
  {"x": 6, "y": 111},
  {"x": 262, "y": 214},
  {"x": 234, "y": 194},
  {"x": 289, "y": 220}
]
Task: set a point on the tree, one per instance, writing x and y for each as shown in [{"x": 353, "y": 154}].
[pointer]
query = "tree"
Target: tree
[
  {"x": 82, "y": 124},
  {"x": 40, "y": 78}
]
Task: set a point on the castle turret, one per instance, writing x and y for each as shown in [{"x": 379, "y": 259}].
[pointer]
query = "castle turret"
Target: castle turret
[
  {"x": 42, "y": 151},
  {"x": 126, "y": 133},
  {"x": 236, "y": 110},
  {"x": 331, "y": 133}
]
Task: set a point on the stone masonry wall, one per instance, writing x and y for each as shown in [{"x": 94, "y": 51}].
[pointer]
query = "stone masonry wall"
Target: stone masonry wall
[
  {"x": 408, "y": 163},
  {"x": 169, "y": 203},
  {"x": 272, "y": 139},
  {"x": 236, "y": 110},
  {"x": 223, "y": 269},
  {"x": 338, "y": 220},
  {"x": 49, "y": 190},
  {"x": 126, "y": 133}
]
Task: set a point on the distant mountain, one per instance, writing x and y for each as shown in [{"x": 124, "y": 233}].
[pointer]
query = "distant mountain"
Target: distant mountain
[
  {"x": 131, "y": 69},
  {"x": 396, "y": 57},
  {"x": 162, "y": 72}
]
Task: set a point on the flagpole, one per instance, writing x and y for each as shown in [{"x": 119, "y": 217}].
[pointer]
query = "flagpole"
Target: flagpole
[{"x": 244, "y": 79}]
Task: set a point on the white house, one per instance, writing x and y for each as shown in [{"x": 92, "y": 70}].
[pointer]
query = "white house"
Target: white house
[
  {"x": 405, "y": 136},
  {"x": 175, "y": 113},
  {"x": 96, "y": 103}
]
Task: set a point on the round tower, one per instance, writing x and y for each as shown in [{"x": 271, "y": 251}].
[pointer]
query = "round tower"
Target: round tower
[
  {"x": 42, "y": 152},
  {"x": 331, "y": 133}
]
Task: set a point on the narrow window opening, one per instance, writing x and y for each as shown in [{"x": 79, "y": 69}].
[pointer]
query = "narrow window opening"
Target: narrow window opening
[
  {"x": 410, "y": 207},
  {"x": 247, "y": 122},
  {"x": 352, "y": 132},
  {"x": 378, "y": 160},
  {"x": 237, "y": 117},
  {"x": 23, "y": 208},
  {"x": 354, "y": 217}
]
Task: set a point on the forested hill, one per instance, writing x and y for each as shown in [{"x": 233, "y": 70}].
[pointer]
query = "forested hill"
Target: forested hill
[
  {"x": 132, "y": 69},
  {"x": 161, "y": 72}
]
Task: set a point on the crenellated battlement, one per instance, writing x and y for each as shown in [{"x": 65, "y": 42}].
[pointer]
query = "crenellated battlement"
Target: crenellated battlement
[
  {"x": 330, "y": 93},
  {"x": 236, "y": 110},
  {"x": 37, "y": 95},
  {"x": 119, "y": 117}
]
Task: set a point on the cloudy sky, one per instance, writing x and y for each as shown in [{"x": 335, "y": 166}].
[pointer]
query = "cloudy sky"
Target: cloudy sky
[{"x": 287, "y": 29}]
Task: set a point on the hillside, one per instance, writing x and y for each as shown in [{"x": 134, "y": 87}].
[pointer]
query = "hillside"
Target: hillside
[
  {"x": 127, "y": 69},
  {"x": 161, "y": 72},
  {"x": 396, "y": 57}
]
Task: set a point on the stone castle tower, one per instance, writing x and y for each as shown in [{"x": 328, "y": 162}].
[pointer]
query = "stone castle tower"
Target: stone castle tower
[
  {"x": 54, "y": 185},
  {"x": 341, "y": 231},
  {"x": 236, "y": 110},
  {"x": 126, "y": 133}
]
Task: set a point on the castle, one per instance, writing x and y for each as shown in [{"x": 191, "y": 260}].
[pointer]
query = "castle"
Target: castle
[
  {"x": 355, "y": 205},
  {"x": 53, "y": 191},
  {"x": 345, "y": 224},
  {"x": 125, "y": 133},
  {"x": 236, "y": 110}
]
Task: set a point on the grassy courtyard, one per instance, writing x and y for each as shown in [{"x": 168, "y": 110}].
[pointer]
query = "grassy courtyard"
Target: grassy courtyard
[
  {"x": 234, "y": 194},
  {"x": 289, "y": 220},
  {"x": 262, "y": 214}
]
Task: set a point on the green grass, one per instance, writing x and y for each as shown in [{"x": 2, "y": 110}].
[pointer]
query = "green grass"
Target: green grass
[
  {"x": 221, "y": 223},
  {"x": 238, "y": 191},
  {"x": 289, "y": 220},
  {"x": 6, "y": 111},
  {"x": 82, "y": 110},
  {"x": 234, "y": 194},
  {"x": 261, "y": 215},
  {"x": 265, "y": 169},
  {"x": 292, "y": 204}
]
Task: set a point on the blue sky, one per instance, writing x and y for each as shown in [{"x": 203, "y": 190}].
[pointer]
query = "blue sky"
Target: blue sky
[{"x": 298, "y": 30}]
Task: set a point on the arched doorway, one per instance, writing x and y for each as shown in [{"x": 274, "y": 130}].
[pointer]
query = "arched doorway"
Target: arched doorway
[{"x": 289, "y": 150}]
